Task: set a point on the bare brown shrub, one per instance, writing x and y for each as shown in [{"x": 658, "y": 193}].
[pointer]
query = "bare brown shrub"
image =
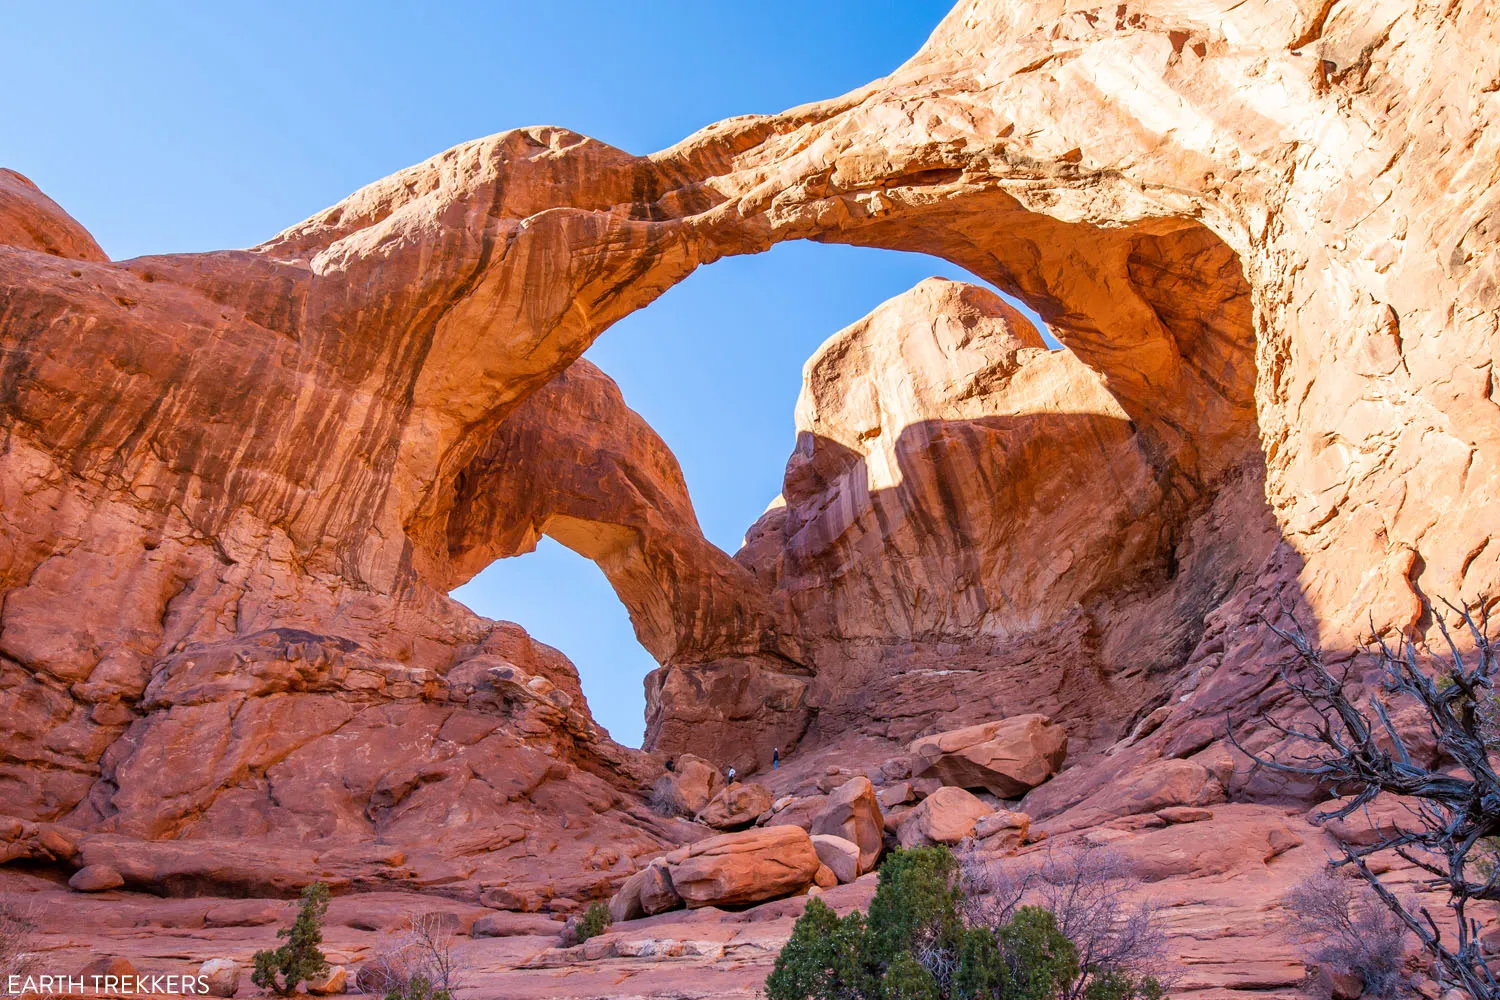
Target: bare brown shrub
[
  {"x": 417, "y": 964},
  {"x": 1339, "y": 734},
  {"x": 18, "y": 942},
  {"x": 663, "y": 799},
  {"x": 1343, "y": 925}
]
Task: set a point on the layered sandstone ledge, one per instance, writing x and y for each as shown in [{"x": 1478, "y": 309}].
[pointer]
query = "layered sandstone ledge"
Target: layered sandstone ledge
[{"x": 236, "y": 487}]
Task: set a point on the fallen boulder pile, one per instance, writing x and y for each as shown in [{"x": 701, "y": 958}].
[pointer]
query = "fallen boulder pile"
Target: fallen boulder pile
[
  {"x": 947, "y": 816},
  {"x": 789, "y": 845},
  {"x": 688, "y": 788}
]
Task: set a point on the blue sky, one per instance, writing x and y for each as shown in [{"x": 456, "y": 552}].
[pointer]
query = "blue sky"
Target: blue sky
[{"x": 184, "y": 127}]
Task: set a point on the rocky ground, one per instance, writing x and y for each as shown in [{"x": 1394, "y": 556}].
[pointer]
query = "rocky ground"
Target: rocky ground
[
  {"x": 1218, "y": 870},
  {"x": 1220, "y": 879}
]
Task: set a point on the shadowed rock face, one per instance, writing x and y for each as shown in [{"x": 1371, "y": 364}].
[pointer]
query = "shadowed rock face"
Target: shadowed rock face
[{"x": 236, "y": 487}]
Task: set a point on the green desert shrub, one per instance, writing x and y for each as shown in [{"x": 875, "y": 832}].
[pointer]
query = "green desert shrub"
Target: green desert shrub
[
  {"x": 825, "y": 958},
  {"x": 917, "y": 944},
  {"x": 981, "y": 970},
  {"x": 1038, "y": 957},
  {"x": 595, "y": 921},
  {"x": 281, "y": 969},
  {"x": 916, "y": 904},
  {"x": 908, "y": 979},
  {"x": 1123, "y": 986}
]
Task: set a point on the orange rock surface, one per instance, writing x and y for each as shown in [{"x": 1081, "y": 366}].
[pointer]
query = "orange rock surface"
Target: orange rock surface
[
  {"x": 236, "y": 487},
  {"x": 1009, "y": 758}
]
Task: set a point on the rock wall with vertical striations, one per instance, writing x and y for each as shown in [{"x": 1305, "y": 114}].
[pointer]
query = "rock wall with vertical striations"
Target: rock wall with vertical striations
[{"x": 964, "y": 505}]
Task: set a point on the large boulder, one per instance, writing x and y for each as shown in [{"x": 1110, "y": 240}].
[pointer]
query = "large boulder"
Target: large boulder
[
  {"x": 96, "y": 878},
  {"x": 853, "y": 812},
  {"x": 506, "y": 924},
  {"x": 331, "y": 983},
  {"x": 1008, "y": 757},
  {"x": 895, "y": 816},
  {"x": 221, "y": 976},
  {"x": 1158, "y": 785},
  {"x": 658, "y": 894},
  {"x": 736, "y": 806},
  {"x": 625, "y": 904},
  {"x": 1339, "y": 985},
  {"x": 946, "y": 816},
  {"x": 108, "y": 967},
  {"x": 690, "y": 785},
  {"x": 800, "y": 811},
  {"x": 840, "y": 855},
  {"x": 895, "y": 795},
  {"x": 1385, "y": 816},
  {"x": 1003, "y": 830},
  {"x": 736, "y": 869}
]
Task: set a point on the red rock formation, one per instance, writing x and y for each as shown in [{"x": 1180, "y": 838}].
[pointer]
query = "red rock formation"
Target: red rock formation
[
  {"x": 936, "y": 438},
  {"x": 174, "y": 666},
  {"x": 689, "y": 786},
  {"x": 738, "y": 868},
  {"x": 737, "y": 805},
  {"x": 32, "y": 221},
  {"x": 574, "y": 462},
  {"x": 1003, "y": 830},
  {"x": 840, "y": 855},
  {"x": 964, "y": 505},
  {"x": 236, "y": 486}
]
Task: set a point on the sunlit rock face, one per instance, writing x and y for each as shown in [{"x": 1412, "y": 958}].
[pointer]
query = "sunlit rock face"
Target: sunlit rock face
[
  {"x": 928, "y": 433},
  {"x": 207, "y": 638},
  {"x": 1260, "y": 230},
  {"x": 236, "y": 486},
  {"x": 29, "y": 220}
]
